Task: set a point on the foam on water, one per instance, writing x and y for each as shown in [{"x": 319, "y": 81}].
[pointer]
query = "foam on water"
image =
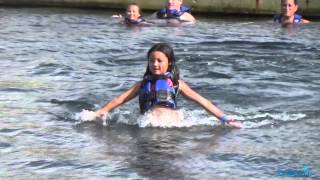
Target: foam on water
[
  {"x": 268, "y": 119},
  {"x": 85, "y": 115},
  {"x": 190, "y": 118}
]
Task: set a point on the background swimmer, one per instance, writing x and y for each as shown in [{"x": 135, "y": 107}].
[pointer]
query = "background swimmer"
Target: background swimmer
[
  {"x": 288, "y": 13},
  {"x": 158, "y": 91},
  {"x": 175, "y": 10},
  {"x": 133, "y": 15}
]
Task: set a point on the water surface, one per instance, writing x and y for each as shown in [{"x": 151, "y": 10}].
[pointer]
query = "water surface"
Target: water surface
[{"x": 56, "y": 62}]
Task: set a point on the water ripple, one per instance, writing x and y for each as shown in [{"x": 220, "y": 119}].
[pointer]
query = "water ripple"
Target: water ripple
[{"x": 56, "y": 62}]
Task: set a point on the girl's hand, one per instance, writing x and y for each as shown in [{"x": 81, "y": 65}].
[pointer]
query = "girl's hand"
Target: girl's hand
[
  {"x": 116, "y": 16},
  {"x": 231, "y": 122},
  {"x": 86, "y": 115},
  {"x": 101, "y": 114},
  {"x": 234, "y": 123}
]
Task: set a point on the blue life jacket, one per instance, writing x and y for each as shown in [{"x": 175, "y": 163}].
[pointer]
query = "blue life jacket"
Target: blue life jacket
[
  {"x": 168, "y": 13},
  {"x": 157, "y": 90},
  {"x": 134, "y": 22},
  {"x": 278, "y": 18}
]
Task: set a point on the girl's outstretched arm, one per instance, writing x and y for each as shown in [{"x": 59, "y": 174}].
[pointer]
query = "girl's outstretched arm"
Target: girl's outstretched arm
[
  {"x": 123, "y": 98},
  {"x": 304, "y": 21},
  {"x": 206, "y": 104}
]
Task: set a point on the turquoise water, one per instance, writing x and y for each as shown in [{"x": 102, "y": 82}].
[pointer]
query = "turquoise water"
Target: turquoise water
[{"x": 56, "y": 62}]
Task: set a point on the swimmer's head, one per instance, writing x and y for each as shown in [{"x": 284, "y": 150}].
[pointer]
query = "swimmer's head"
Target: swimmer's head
[
  {"x": 174, "y": 4},
  {"x": 289, "y": 7},
  {"x": 133, "y": 11},
  {"x": 161, "y": 60}
]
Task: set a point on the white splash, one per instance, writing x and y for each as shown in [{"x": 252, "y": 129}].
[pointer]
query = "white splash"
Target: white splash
[
  {"x": 271, "y": 119},
  {"x": 164, "y": 121},
  {"x": 187, "y": 118},
  {"x": 86, "y": 115},
  {"x": 184, "y": 119}
]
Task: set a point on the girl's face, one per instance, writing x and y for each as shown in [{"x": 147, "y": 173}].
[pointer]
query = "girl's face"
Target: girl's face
[
  {"x": 158, "y": 63},
  {"x": 174, "y": 4},
  {"x": 288, "y": 8},
  {"x": 133, "y": 12}
]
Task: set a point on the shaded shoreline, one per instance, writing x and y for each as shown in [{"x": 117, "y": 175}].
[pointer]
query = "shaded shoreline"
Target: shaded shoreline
[{"x": 206, "y": 7}]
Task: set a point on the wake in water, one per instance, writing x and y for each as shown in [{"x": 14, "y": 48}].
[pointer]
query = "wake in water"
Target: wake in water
[
  {"x": 190, "y": 118},
  {"x": 272, "y": 119}
]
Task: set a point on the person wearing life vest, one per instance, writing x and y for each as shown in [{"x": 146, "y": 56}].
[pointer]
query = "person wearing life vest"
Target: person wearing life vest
[
  {"x": 175, "y": 10},
  {"x": 288, "y": 13},
  {"x": 159, "y": 88},
  {"x": 133, "y": 15}
]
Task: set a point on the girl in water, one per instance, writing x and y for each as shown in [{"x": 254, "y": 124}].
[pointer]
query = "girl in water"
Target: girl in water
[
  {"x": 158, "y": 90},
  {"x": 133, "y": 15},
  {"x": 288, "y": 13},
  {"x": 175, "y": 10}
]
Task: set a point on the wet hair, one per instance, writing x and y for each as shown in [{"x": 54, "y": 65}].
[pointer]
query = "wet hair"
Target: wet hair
[{"x": 168, "y": 51}]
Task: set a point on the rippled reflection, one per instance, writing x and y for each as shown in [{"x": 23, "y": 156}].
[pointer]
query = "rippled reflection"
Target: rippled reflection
[{"x": 56, "y": 62}]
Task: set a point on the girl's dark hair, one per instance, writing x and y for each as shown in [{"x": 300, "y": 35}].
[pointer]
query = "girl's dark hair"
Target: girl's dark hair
[{"x": 168, "y": 51}]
